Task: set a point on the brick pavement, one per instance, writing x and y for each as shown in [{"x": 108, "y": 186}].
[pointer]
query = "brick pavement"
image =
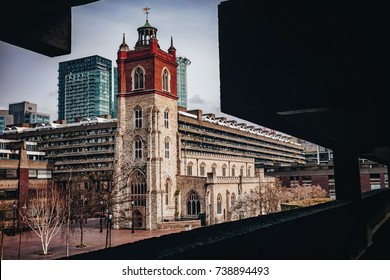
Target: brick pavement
[{"x": 31, "y": 248}]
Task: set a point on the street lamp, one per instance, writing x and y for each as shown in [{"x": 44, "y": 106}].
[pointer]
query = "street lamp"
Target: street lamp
[
  {"x": 109, "y": 225},
  {"x": 14, "y": 207},
  {"x": 101, "y": 215},
  {"x": 132, "y": 216}
]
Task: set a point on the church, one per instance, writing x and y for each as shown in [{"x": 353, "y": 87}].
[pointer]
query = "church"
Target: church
[{"x": 173, "y": 165}]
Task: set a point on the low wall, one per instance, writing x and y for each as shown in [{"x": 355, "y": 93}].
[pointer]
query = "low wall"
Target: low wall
[
  {"x": 335, "y": 230},
  {"x": 189, "y": 224}
]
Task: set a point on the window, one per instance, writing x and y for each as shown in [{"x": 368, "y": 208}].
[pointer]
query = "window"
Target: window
[
  {"x": 193, "y": 204},
  {"x": 165, "y": 80},
  {"x": 233, "y": 170},
  {"x": 189, "y": 169},
  {"x": 44, "y": 174},
  {"x": 214, "y": 168},
  {"x": 166, "y": 119},
  {"x": 242, "y": 170},
  {"x": 202, "y": 169},
  {"x": 138, "y": 78},
  {"x": 219, "y": 204},
  {"x": 138, "y": 149},
  {"x": 224, "y": 170},
  {"x": 168, "y": 191},
  {"x": 167, "y": 148},
  {"x": 138, "y": 117},
  {"x": 138, "y": 188},
  {"x": 248, "y": 172}
]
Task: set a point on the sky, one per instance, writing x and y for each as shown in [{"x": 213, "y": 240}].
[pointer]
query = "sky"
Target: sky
[{"x": 97, "y": 29}]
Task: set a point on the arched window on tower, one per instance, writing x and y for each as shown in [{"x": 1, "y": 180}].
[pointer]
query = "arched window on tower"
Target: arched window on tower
[
  {"x": 233, "y": 170},
  {"x": 166, "y": 146},
  {"x": 138, "y": 188},
  {"x": 139, "y": 76},
  {"x": 166, "y": 118},
  {"x": 193, "y": 204},
  {"x": 138, "y": 117},
  {"x": 138, "y": 148},
  {"x": 165, "y": 80}
]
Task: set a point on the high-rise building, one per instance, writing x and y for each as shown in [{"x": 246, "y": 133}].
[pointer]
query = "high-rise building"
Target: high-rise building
[
  {"x": 26, "y": 112},
  {"x": 84, "y": 88},
  {"x": 5, "y": 119},
  {"x": 182, "y": 62},
  {"x": 115, "y": 107}
]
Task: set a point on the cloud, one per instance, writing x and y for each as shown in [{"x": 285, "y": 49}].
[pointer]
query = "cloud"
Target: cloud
[{"x": 196, "y": 99}]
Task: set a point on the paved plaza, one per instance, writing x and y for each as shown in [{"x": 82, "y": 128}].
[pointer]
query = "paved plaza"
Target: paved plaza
[{"x": 31, "y": 248}]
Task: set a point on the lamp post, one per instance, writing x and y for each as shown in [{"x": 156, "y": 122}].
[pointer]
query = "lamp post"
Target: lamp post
[
  {"x": 14, "y": 207},
  {"x": 109, "y": 224},
  {"x": 132, "y": 216},
  {"x": 101, "y": 215}
]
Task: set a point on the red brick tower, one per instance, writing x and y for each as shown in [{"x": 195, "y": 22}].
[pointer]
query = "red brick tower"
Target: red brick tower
[{"x": 146, "y": 137}]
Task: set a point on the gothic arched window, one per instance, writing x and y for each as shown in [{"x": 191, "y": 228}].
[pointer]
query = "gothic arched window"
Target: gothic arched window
[
  {"x": 214, "y": 168},
  {"x": 165, "y": 80},
  {"x": 139, "y": 77},
  {"x": 189, "y": 168},
  {"x": 138, "y": 188},
  {"x": 224, "y": 170},
  {"x": 168, "y": 184},
  {"x": 219, "y": 204},
  {"x": 202, "y": 169},
  {"x": 166, "y": 146},
  {"x": 166, "y": 118},
  {"x": 193, "y": 204},
  {"x": 138, "y": 148},
  {"x": 138, "y": 117}
]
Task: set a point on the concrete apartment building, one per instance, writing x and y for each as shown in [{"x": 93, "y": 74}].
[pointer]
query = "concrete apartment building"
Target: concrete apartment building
[{"x": 23, "y": 168}]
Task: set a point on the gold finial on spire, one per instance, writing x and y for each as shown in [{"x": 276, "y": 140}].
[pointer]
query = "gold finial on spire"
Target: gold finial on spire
[{"x": 146, "y": 11}]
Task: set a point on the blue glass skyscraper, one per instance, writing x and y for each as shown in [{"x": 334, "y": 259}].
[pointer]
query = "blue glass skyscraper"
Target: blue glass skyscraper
[
  {"x": 84, "y": 88},
  {"x": 182, "y": 80}
]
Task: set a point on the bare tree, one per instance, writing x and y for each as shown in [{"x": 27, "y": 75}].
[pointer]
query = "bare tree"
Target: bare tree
[
  {"x": 267, "y": 198},
  {"x": 45, "y": 214}
]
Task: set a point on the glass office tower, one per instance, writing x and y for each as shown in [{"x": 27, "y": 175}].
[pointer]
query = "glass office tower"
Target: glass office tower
[
  {"x": 84, "y": 88},
  {"x": 182, "y": 80}
]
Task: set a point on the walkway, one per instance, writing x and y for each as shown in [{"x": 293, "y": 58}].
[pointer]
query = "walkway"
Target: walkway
[{"x": 31, "y": 248}]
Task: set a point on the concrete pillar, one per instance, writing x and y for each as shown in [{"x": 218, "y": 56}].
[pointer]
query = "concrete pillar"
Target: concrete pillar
[{"x": 347, "y": 175}]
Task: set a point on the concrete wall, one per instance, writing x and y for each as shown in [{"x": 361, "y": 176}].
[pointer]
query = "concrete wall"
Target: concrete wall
[{"x": 336, "y": 230}]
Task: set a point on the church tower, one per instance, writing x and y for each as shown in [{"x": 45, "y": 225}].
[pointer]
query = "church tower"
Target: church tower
[{"x": 146, "y": 137}]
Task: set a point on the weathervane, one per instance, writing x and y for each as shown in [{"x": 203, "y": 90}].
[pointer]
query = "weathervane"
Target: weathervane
[{"x": 146, "y": 10}]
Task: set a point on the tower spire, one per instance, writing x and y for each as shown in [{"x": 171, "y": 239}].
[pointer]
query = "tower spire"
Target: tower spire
[{"x": 172, "y": 49}]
